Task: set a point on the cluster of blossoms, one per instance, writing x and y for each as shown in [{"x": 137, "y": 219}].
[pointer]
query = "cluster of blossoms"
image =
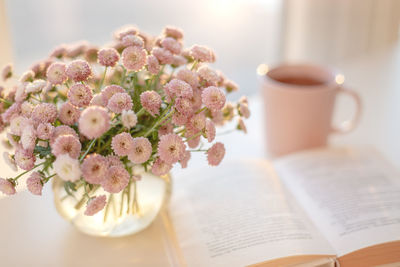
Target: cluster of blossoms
[{"x": 92, "y": 115}]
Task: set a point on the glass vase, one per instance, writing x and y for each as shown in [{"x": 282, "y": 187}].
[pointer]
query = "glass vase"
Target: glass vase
[{"x": 127, "y": 212}]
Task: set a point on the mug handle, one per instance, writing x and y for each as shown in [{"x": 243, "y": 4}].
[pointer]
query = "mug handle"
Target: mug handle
[{"x": 349, "y": 125}]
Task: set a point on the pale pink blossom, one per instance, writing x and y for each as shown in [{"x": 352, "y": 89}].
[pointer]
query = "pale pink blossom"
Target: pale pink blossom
[
  {"x": 213, "y": 98},
  {"x": 215, "y": 154},
  {"x": 197, "y": 122},
  {"x": 94, "y": 122},
  {"x": 152, "y": 64},
  {"x": 35, "y": 184},
  {"x": 244, "y": 110},
  {"x": 228, "y": 111},
  {"x": 24, "y": 159},
  {"x": 13, "y": 139},
  {"x": 188, "y": 76},
  {"x": 7, "y": 72},
  {"x": 94, "y": 168},
  {"x": 61, "y": 130},
  {"x": 27, "y": 109},
  {"x": 7, "y": 187},
  {"x": 78, "y": 70},
  {"x": 163, "y": 55},
  {"x": 202, "y": 53},
  {"x": 109, "y": 91},
  {"x": 218, "y": 117},
  {"x": 20, "y": 93},
  {"x": 241, "y": 125},
  {"x": 69, "y": 114},
  {"x": 196, "y": 100},
  {"x": 134, "y": 58},
  {"x": 94, "y": 205},
  {"x": 17, "y": 124},
  {"x": 172, "y": 45},
  {"x": 171, "y": 148},
  {"x": 125, "y": 30},
  {"x": 117, "y": 178},
  {"x": 179, "y": 119},
  {"x": 66, "y": 144},
  {"x": 160, "y": 167},
  {"x": 165, "y": 129},
  {"x": 59, "y": 51},
  {"x": 132, "y": 40},
  {"x": 192, "y": 141},
  {"x": 36, "y": 86},
  {"x": 185, "y": 159},
  {"x": 56, "y": 73},
  {"x": 12, "y": 111},
  {"x": 173, "y": 32},
  {"x": 97, "y": 100},
  {"x": 128, "y": 118},
  {"x": 113, "y": 160},
  {"x": 28, "y": 137},
  {"x": 27, "y": 76},
  {"x": 178, "y": 88},
  {"x": 184, "y": 106},
  {"x": 141, "y": 150},
  {"x": 122, "y": 144},
  {"x": 244, "y": 100},
  {"x": 151, "y": 102},
  {"x": 108, "y": 57},
  {"x": 80, "y": 95},
  {"x": 120, "y": 102},
  {"x": 231, "y": 86},
  {"x": 9, "y": 160},
  {"x": 91, "y": 53},
  {"x": 45, "y": 112},
  {"x": 209, "y": 75},
  {"x": 76, "y": 49},
  {"x": 44, "y": 131},
  {"x": 67, "y": 168},
  {"x": 210, "y": 130}
]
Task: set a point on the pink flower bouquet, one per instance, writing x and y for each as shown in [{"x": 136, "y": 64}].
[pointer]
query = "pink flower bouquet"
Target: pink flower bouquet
[{"x": 92, "y": 115}]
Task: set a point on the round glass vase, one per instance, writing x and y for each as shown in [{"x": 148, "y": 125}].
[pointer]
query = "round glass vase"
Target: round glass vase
[{"x": 126, "y": 213}]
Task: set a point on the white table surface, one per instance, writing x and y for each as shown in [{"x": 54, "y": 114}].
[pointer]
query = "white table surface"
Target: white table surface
[{"x": 33, "y": 234}]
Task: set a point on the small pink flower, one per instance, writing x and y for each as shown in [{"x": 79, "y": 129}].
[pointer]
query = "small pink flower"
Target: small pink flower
[
  {"x": 113, "y": 160},
  {"x": 244, "y": 100},
  {"x": 122, "y": 144},
  {"x": 128, "y": 119},
  {"x": 76, "y": 49},
  {"x": 141, "y": 150},
  {"x": 160, "y": 167},
  {"x": 197, "y": 122},
  {"x": 91, "y": 54},
  {"x": 80, "y": 95},
  {"x": 179, "y": 119},
  {"x": 56, "y": 73},
  {"x": 94, "y": 168},
  {"x": 108, "y": 57},
  {"x": 215, "y": 154},
  {"x": 94, "y": 122},
  {"x": 151, "y": 102},
  {"x": 202, "y": 53},
  {"x": 116, "y": 180},
  {"x": 69, "y": 114},
  {"x": 188, "y": 76},
  {"x": 95, "y": 205},
  {"x": 27, "y": 109},
  {"x": 210, "y": 130},
  {"x": 35, "y": 86},
  {"x": 24, "y": 159},
  {"x": 228, "y": 111},
  {"x": 67, "y": 144},
  {"x": 193, "y": 142},
  {"x": 132, "y": 40},
  {"x": 9, "y": 160},
  {"x": 213, "y": 98},
  {"x": 185, "y": 159},
  {"x": 7, "y": 187},
  {"x": 44, "y": 131},
  {"x": 171, "y": 148},
  {"x": 7, "y": 72},
  {"x": 231, "y": 86},
  {"x": 184, "y": 106},
  {"x": 35, "y": 184},
  {"x": 59, "y": 52},
  {"x": 124, "y": 31},
  {"x": 28, "y": 137},
  {"x": 67, "y": 168},
  {"x": 172, "y": 45},
  {"x": 20, "y": 94},
  {"x": 241, "y": 125},
  {"x": 196, "y": 100},
  {"x": 165, "y": 129},
  {"x": 12, "y": 111},
  {"x": 152, "y": 64},
  {"x": 120, "y": 102},
  {"x": 45, "y": 112},
  {"x": 27, "y": 76},
  {"x": 78, "y": 70},
  {"x": 244, "y": 110},
  {"x": 178, "y": 61},
  {"x": 178, "y": 88},
  {"x": 109, "y": 91},
  {"x": 97, "y": 100},
  {"x": 173, "y": 32},
  {"x": 134, "y": 58},
  {"x": 17, "y": 124},
  {"x": 61, "y": 130},
  {"x": 163, "y": 55},
  {"x": 209, "y": 75}
]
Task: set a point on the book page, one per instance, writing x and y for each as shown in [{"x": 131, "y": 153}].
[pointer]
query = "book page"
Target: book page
[
  {"x": 238, "y": 214},
  {"x": 352, "y": 195}
]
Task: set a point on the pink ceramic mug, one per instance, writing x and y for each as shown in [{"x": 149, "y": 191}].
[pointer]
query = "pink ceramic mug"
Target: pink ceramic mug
[{"x": 298, "y": 105}]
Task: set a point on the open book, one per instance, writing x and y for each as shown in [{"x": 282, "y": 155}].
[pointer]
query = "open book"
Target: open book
[{"x": 326, "y": 207}]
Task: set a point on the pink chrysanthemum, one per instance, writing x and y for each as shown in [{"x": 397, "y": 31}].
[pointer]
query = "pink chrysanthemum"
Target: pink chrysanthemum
[
  {"x": 209, "y": 75},
  {"x": 134, "y": 58},
  {"x": 76, "y": 49},
  {"x": 188, "y": 76},
  {"x": 20, "y": 94},
  {"x": 184, "y": 106},
  {"x": 44, "y": 131},
  {"x": 231, "y": 86},
  {"x": 241, "y": 125},
  {"x": 196, "y": 100},
  {"x": 132, "y": 40},
  {"x": 173, "y": 32},
  {"x": 244, "y": 100},
  {"x": 108, "y": 57},
  {"x": 202, "y": 53},
  {"x": 67, "y": 144},
  {"x": 244, "y": 110},
  {"x": 7, "y": 72},
  {"x": 172, "y": 45},
  {"x": 94, "y": 121},
  {"x": 120, "y": 102},
  {"x": 59, "y": 51},
  {"x": 27, "y": 76},
  {"x": 80, "y": 95},
  {"x": 163, "y": 56},
  {"x": 28, "y": 137},
  {"x": 56, "y": 73},
  {"x": 78, "y": 70},
  {"x": 210, "y": 130},
  {"x": 95, "y": 205},
  {"x": 185, "y": 159},
  {"x": 69, "y": 114},
  {"x": 24, "y": 159},
  {"x": 116, "y": 180},
  {"x": 35, "y": 184},
  {"x": 192, "y": 142},
  {"x": 12, "y": 111},
  {"x": 171, "y": 148},
  {"x": 109, "y": 91},
  {"x": 128, "y": 119},
  {"x": 178, "y": 61},
  {"x": 9, "y": 160},
  {"x": 26, "y": 109},
  {"x": 141, "y": 150},
  {"x": 61, "y": 130},
  {"x": 165, "y": 129},
  {"x": 213, "y": 98},
  {"x": 178, "y": 88},
  {"x": 113, "y": 160},
  {"x": 67, "y": 168},
  {"x": 124, "y": 31},
  {"x": 17, "y": 124},
  {"x": 45, "y": 112},
  {"x": 94, "y": 168},
  {"x": 97, "y": 100},
  {"x": 179, "y": 119},
  {"x": 35, "y": 86},
  {"x": 6, "y": 187},
  {"x": 152, "y": 64},
  {"x": 122, "y": 144},
  {"x": 197, "y": 122},
  {"x": 91, "y": 54},
  {"x": 215, "y": 154},
  {"x": 160, "y": 167},
  {"x": 151, "y": 102}
]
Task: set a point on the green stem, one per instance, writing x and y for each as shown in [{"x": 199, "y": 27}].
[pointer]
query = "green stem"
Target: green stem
[
  {"x": 198, "y": 150},
  {"x": 25, "y": 172},
  {"x": 140, "y": 112},
  {"x": 158, "y": 123},
  {"x": 102, "y": 79},
  {"x": 193, "y": 136},
  {"x": 194, "y": 65},
  {"x": 6, "y": 101},
  {"x": 110, "y": 199},
  {"x": 46, "y": 179},
  {"x": 87, "y": 151},
  {"x": 227, "y": 132},
  {"x": 201, "y": 110}
]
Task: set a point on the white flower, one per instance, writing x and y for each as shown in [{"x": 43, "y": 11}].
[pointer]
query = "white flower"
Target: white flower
[
  {"x": 128, "y": 118},
  {"x": 10, "y": 161},
  {"x": 67, "y": 168},
  {"x": 35, "y": 86}
]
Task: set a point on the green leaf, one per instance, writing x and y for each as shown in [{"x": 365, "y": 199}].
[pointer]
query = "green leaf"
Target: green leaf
[{"x": 42, "y": 151}]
